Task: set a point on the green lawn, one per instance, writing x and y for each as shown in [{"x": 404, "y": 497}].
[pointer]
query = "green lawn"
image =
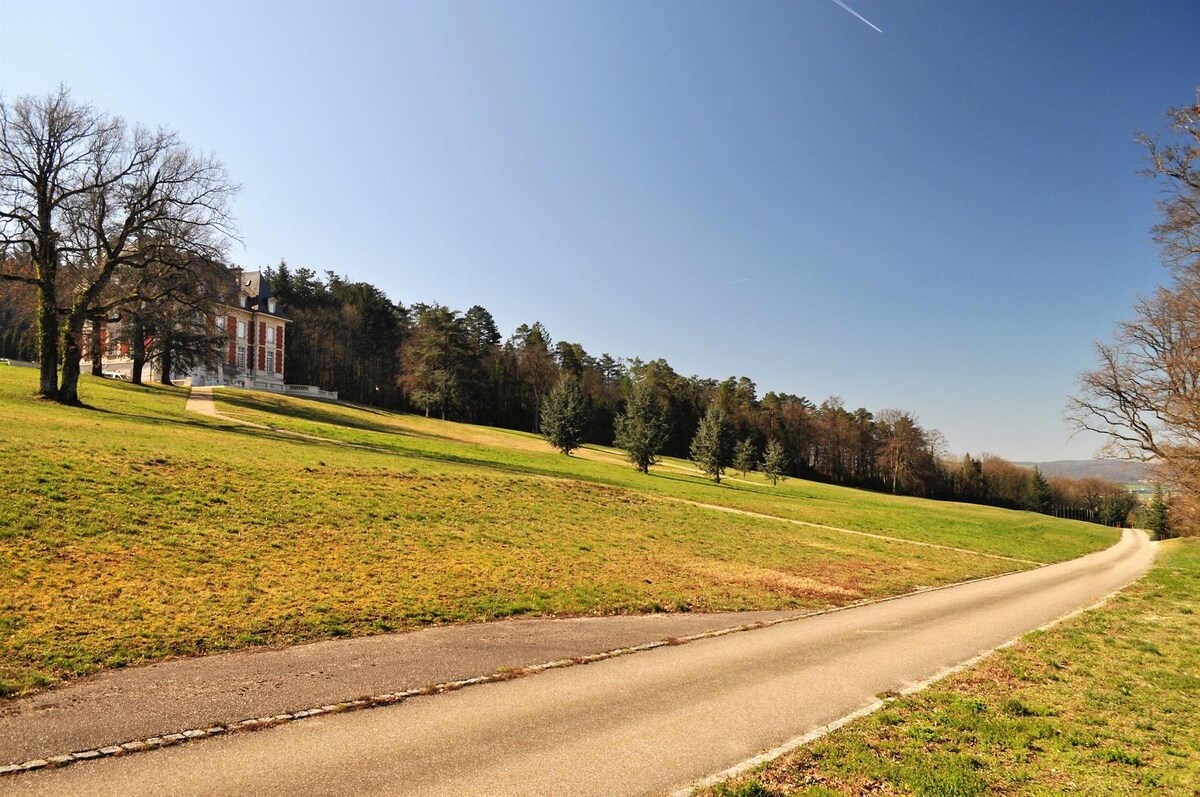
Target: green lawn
[
  {"x": 1105, "y": 703},
  {"x": 1025, "y": 535},
  {"x": 132, "y": 531}
]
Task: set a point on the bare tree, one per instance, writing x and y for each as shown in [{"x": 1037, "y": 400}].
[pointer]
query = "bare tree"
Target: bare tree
[
  {"x": 86, "y": 198},
  {"x": 904, "y": 450},
  {"x": 1172, "y": 157},
  {"x": 1144, "y": 396},
  {"x": 171, "y": 316}
]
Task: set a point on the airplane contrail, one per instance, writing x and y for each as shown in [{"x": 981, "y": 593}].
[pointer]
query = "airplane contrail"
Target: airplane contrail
[{"x": 855, "y": 13}]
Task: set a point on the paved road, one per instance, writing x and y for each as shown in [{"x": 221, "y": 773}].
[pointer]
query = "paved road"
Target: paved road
[
  {"x": 139, "y": 702},
  {"x": 643, "y": 724}
]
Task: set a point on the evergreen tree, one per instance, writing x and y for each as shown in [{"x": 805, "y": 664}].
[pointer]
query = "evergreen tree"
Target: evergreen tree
[
  {"x": 745, "y": 455},
  {"x": 775, "y": 462},
  {"x": 1116, "y": 508},
  {"x": 1038, "y": 497},
  {"x": 642, "y": 429},
  {"x": 712, "y": 447},
  {"x": 564, "y": 416},
  {"x": 436, "y": 358},
  {"x": 1158, "y": 519}
]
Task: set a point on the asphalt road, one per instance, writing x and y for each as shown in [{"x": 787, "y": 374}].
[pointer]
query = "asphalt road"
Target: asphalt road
[{"x": 649, "y": 723}]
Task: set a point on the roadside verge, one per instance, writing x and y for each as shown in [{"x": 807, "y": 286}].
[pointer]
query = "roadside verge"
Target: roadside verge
[{"x": 1101, "y": 701}]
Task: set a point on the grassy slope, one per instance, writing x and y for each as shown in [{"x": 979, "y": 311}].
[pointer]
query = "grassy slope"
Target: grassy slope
[
  {"x": 132, "y": 531},
  {"x": 1105, "y": 703},
  {"x": 986, "y": 529}
]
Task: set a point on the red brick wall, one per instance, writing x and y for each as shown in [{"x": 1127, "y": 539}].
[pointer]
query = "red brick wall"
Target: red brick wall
[{"x": 279, "y": 349}]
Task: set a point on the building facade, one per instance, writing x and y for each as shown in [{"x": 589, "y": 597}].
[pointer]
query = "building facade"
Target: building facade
[{"x": 252, "y": 325}]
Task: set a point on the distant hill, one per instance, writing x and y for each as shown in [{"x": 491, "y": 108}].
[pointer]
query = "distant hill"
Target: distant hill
[{"x": 1117, "y": 470}]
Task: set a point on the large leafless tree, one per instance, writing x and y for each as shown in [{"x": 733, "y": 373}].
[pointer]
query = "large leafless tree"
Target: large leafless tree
[
  {"x": 1144, "y": 395},
  {"x": 91, "y": 203}
]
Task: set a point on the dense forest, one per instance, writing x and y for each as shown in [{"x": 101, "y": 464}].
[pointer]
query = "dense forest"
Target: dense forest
[{"x": 456, "y": 365}]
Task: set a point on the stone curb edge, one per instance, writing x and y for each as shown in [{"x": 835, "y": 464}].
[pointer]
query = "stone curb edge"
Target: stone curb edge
[
  {"x": 372, "y": 701},
  {"x": 393, "y": 698}
]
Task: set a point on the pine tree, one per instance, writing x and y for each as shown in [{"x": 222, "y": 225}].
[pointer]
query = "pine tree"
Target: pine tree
[
  {"x": 745, "y": 456},
  {"x": 775, "y": 463},
  {"x": 564, "y": 416},
  {"x": 712, "y": 447},
  {"x": 436, "y": 357},
  {"x": 1116, "y": 508},
  {"x": 1159, "y": 517},
  {"x": 1038, "y": 497},
  {"x": 642, "y": 429}
]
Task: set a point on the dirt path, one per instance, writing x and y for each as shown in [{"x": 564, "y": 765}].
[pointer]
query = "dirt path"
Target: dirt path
[{"x": 200, "y": 401}]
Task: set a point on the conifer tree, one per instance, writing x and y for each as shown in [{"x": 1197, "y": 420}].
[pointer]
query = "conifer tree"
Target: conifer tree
[
  {"x": 1038, "y": 497},
  {"x": 745, "y": 455},
  {"x": 564, "y": 416},
  {"x": 1159, "y": 519},
  {"x": 712, "y": 447},
  {"x": 775, "y": 462},
  {"x": 642, "y": 429}
]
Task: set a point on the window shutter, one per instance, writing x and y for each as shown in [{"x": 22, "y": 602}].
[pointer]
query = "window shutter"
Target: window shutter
[{"x": 231, "y": 331}]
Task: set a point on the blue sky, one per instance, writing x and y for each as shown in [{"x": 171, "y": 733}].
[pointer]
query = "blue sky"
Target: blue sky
[{"x": 940, "y": 217}]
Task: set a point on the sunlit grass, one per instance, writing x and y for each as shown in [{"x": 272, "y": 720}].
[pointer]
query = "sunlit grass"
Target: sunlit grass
[
  {"x": 131, "y": 531},
  {"x": 1105, "y": 703},
  {"x": 1025, "y": 535}
]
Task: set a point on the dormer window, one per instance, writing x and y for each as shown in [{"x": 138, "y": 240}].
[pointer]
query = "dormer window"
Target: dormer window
[{"x": 271, "y": 305}]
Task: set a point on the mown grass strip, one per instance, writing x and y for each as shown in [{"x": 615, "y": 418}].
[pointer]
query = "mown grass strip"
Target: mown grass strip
[{"x": 1104, "y": 703}]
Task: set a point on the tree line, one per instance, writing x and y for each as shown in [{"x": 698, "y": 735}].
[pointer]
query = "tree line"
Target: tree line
[{"x": 458, "y": 366}]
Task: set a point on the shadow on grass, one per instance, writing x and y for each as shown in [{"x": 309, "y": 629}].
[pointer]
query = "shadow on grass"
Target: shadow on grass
[
  {"x": 326, "y": 414},
  {"x": 322, "y": 412}
]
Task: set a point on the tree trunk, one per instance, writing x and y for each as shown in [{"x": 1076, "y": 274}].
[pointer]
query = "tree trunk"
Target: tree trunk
[
  {"x": 48, "y": 337},
  {"x": 137, "y": 349},
  {"x": 166, "y": 360},
  {"x": 95, "y": 347},
  {"x": 72, "y": 346}
]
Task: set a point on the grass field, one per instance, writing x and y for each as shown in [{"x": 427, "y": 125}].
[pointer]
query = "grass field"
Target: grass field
[
  {"x": 986, "y": 529},
  {"x": 131, "y": 531},
  {"x": 1105, "y": 703}
]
